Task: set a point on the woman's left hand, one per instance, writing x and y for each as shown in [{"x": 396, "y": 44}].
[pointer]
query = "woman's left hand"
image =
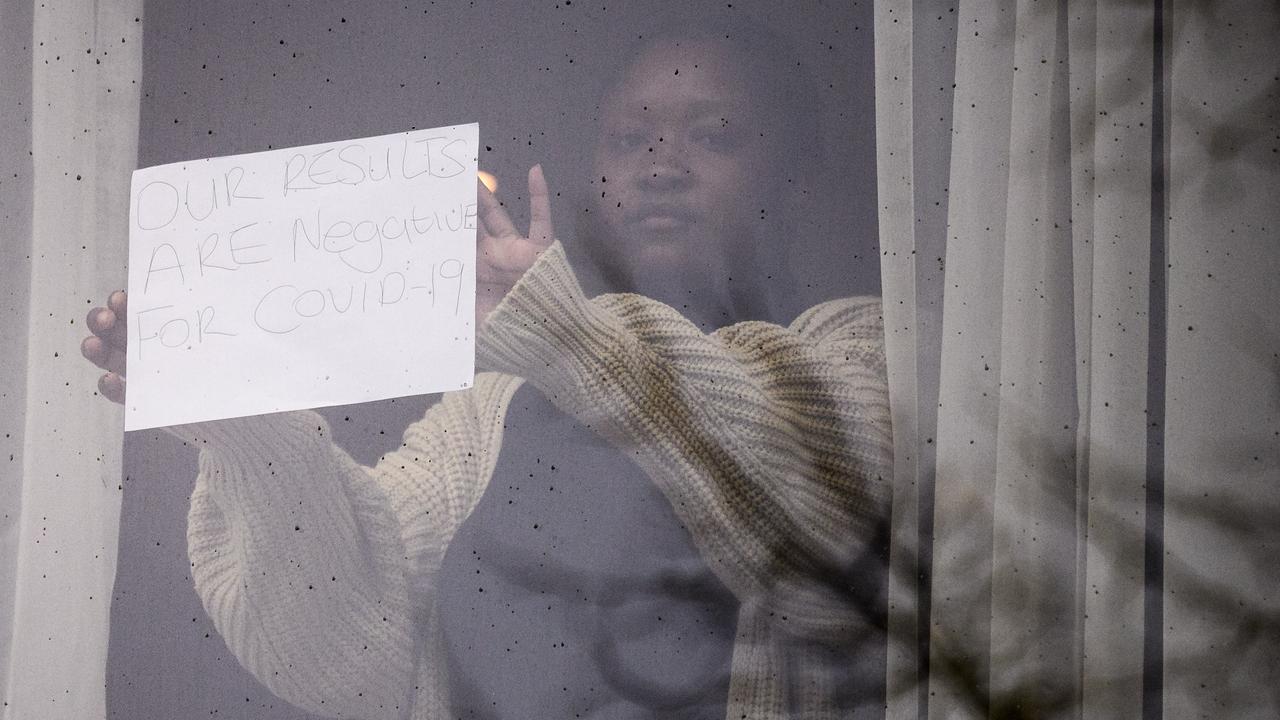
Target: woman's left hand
[{"x": 503, "y": 254}]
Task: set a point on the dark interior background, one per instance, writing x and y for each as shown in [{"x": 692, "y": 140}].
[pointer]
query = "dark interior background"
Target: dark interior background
[{"x": 231, "y": 77}]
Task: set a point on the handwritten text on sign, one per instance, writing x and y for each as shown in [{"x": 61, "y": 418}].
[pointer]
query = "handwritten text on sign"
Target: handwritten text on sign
[{"x": 303, "y": 277}]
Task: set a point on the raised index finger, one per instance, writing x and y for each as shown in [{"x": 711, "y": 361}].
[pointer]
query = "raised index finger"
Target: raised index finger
[{"x": 540, "y": 230}]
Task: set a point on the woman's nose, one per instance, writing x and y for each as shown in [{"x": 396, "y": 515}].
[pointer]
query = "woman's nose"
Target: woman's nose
[{"x": 669, "y": 168}]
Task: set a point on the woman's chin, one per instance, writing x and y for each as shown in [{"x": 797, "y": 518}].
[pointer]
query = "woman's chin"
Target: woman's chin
[
  {"x": 661, "y": 263},
  {"x": 663, "y": 253}
]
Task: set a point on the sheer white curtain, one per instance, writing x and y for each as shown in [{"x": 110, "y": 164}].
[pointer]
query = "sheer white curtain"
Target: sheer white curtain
[
  {"x": 1083, "y": 359},
  {"x": 70, "y": 90}
]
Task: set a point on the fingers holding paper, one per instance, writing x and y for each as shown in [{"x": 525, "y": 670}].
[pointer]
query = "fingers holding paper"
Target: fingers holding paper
[{"x": 105, "y": 348}]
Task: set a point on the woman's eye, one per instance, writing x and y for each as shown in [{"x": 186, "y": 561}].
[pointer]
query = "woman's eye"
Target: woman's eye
[{"x": 717, "y": 139}]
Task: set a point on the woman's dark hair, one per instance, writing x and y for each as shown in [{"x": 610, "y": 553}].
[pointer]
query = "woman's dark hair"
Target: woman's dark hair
[{"x": 782, "y": 87}]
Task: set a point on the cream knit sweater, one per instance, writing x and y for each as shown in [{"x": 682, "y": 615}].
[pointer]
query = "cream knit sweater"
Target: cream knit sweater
[{"x": 771, "y": 443}]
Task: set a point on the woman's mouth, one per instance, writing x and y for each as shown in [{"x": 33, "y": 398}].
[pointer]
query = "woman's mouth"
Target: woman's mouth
[
  {"x": 661, "y": 218},
  {"x": 662, "y": 223}
]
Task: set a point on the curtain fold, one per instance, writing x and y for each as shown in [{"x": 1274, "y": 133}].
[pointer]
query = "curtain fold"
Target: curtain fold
[
  {"x": 915, "y": 70},
  {"x": 1108, "y": 414},
  {"x": 896, "y": 202},
  {"x": 1113, "y": 243},
  {"x": 1033, "y": 545},
  {"x": 1221, "y": 584},
  {"x": 15, "y": 273},
  {"x": 60, "y": 539},
  {"x": 969, "y": 378}
]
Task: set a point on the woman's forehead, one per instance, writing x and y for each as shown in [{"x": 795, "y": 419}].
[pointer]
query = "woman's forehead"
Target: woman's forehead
[{"x": 688, "y": 77}]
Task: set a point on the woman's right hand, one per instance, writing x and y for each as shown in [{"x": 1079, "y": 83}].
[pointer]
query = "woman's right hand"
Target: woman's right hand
[{"x": 106, "y": 346}]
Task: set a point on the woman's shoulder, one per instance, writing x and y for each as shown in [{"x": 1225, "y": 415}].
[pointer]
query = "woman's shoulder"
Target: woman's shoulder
[
  {"x": 857, "y": 319},
  {"x": 859, "y": 316}
]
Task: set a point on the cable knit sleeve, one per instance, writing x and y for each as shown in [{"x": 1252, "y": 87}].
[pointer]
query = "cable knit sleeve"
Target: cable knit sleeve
[
  {"x": 772, "y": 443},
  {"x": 316, "y": 570}
]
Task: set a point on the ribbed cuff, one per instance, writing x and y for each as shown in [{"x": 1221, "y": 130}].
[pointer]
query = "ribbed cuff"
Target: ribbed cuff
[
  {"x": 223, "y": 436},
  {"x": 546, "y": 330}
]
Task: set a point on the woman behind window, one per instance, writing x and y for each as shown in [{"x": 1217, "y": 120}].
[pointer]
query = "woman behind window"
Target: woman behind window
[{"x": 653, "y": 502}]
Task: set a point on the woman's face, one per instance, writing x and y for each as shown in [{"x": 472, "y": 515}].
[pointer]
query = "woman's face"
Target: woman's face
[{"x": 681, "y": 160}]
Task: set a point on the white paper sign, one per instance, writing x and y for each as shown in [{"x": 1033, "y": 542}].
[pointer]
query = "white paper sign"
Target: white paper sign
[{"x": 304, "y": 277}]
